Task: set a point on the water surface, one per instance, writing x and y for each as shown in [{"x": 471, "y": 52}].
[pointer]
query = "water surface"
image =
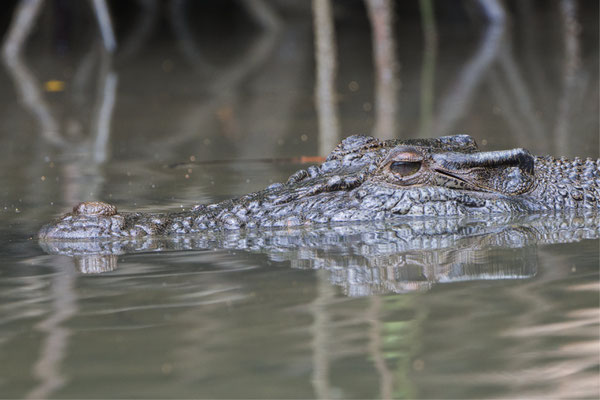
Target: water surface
[{"x": 353, "y": 314}]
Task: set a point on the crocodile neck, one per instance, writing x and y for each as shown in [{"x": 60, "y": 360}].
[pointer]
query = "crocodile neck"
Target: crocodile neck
[{"x": 566, "y": 184}]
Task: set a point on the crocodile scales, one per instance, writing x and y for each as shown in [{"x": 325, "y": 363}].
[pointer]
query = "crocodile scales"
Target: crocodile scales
[{"x": 366, "y": 179}]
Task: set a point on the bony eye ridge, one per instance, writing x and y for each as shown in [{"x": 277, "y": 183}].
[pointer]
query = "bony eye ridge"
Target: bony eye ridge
[{"x": 405, "y": 168}]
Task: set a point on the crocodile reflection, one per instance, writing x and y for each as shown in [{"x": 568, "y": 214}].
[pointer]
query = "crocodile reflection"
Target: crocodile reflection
[{"x": 372, "y": 258}]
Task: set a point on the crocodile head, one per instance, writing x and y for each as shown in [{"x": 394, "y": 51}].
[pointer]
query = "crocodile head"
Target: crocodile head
[{"x": 366, "y": 179}]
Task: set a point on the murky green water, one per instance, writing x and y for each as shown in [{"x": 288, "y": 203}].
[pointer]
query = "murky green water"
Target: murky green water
[
  {"x": 430, "y": 309},
  {"x": 297, "y": 319}
]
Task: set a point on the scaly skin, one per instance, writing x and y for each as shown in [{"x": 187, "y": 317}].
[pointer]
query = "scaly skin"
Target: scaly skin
[{"x": 365, "y": 179}]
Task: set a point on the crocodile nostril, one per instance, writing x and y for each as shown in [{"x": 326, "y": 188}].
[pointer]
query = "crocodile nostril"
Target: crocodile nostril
[{"x": 95, "y": 208}]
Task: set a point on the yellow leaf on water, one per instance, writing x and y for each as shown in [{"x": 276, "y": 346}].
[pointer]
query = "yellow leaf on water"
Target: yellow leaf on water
[{"x": 54, "y": 86}]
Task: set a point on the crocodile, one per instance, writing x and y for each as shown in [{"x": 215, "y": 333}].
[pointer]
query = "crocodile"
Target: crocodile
[{"x": 367, "y": 179}]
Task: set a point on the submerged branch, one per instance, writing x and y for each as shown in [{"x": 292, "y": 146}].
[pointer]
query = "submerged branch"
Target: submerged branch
[
  {"x": 428, "y": 69},
  {"x": 386, "y": 66},
  {"x": 572, "y": 61},
  {"x": 326, "y": 72},
  {"x": 454, "y": 105}
]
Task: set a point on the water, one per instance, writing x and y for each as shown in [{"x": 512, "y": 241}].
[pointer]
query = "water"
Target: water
[
  {"x": 478, "y": 309},
  {"x": 235, "y": 324},
  {"x": 358, "y": 312}
]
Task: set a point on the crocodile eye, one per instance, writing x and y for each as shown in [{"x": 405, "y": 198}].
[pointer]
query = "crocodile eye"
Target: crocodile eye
[{"x": 405, "y": 168}]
